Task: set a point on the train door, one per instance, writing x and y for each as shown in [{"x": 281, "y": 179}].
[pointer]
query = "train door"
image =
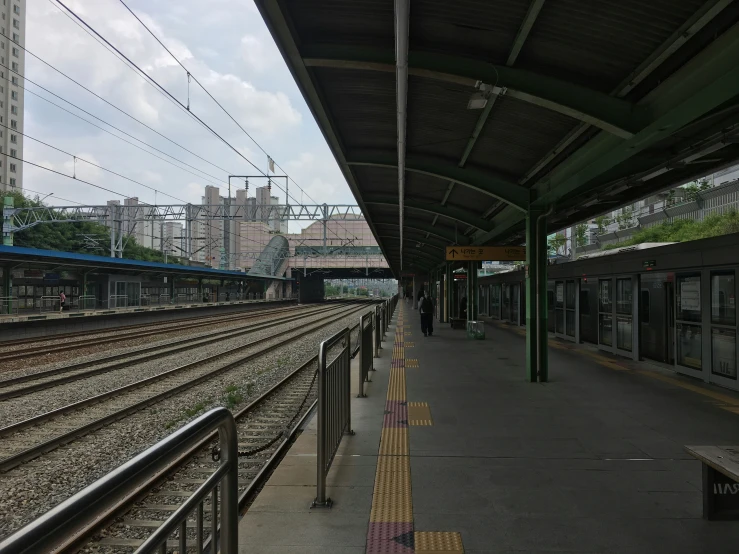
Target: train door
[
  {"x": 670, "y": 327},
  {"x": 515, "y": 303}
]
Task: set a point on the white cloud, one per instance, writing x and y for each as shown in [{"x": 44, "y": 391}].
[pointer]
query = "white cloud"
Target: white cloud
[{"x": 234, "y": 57}]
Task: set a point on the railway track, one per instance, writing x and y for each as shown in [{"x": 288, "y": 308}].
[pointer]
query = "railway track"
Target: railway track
[
  {"x": 265, "y": 430},
  {"x": 29, "y": 439},
  {"x": 42, "y": 380},
  {"x": 71, "y": 341}
]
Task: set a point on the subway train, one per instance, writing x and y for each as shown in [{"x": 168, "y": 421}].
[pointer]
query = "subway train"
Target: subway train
[{"x": 674, "y": 304}]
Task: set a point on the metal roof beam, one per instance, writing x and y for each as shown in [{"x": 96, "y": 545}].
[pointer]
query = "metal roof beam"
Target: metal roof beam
[
  {"x": 432, "y": 242},
  {"x": 524, "y": 30},
  {"x": 423, "y": 227},
  {"x": 462, "y": 216},
  {"x": 703, "y": 84},
  {"x": 415, "y": 252},
  {"x": 614, "y": 115},
  {"x": 477, "y": 179}
]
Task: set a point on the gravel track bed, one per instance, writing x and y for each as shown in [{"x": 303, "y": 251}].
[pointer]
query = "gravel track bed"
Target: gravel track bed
[
  {"x": 111, "y": 332},
  {"x": 33, "y": 488},
  {"x": 22, "y": 367},
  {"x": 24, "y": 407}
]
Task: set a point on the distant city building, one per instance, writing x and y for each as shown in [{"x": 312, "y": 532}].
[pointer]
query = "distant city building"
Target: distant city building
[{"x": 12, "y": 66}]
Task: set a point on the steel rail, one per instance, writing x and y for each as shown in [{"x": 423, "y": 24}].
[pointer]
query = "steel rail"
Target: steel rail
[
  {"x": 65, "y": 438},
  {"x": 169, "y": 349},
  {"x": 169, "y": 327},
  {"x": 234, "y": 311}
]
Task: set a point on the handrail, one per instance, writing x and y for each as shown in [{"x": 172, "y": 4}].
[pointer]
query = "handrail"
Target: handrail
[
  {"x": 365, "y": 340},
  {"x": 334, "y": 407},
  {"x": 84, "y": 298},
  {"x": 113, "y": 299},
  {"x": 6, "y": 305},
  {"x": 60, "y": 527}
]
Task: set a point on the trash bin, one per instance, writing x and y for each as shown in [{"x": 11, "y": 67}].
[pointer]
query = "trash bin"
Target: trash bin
[{"x": 476, "y": 330}]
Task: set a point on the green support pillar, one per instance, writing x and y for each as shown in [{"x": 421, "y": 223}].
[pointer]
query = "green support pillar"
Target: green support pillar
[
  {"x": 537, "y": 360},
  {"x": 8, "y": 202},
  {"x": 472, "y": 305},
  {"x": 172, "y": 290},
  {"x": 7, "y": 289},
  {"x": 447, "y": 292}
]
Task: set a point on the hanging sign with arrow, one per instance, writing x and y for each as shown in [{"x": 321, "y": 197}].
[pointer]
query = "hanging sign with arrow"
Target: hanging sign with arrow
[{"x": 485, "y": 253}]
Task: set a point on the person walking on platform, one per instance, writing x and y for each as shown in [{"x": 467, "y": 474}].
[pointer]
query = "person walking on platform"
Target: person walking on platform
[
  {"x": 62, "y": 300},
  {"x": 427, "y": 316},
  {"x": 420, "y": 297},
  {"x": 463, "y": 308}
]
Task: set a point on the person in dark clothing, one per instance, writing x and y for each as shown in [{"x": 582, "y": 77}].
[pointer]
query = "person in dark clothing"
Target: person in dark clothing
[
  {"x": 421, "y": 294},
  {"x": 463, "y": 308},
  {"x": 427, "y": 316}
]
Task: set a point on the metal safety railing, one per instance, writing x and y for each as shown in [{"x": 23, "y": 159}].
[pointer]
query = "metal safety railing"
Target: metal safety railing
[
  {"x": 8, "y": 305},
  {"x": 48, "y": 304},
  {"x": 87, "y": 302},
  {"x": 145, "y": 300},
  {"x": 378, "y": 330},
  {"x": 334, "y": 411},
  {"x": 163, "y": 299},
  {"x": 182, "y": 298},
  {"x": 66, "y": 525},
  {"x": 117, "y": 301},
  {"x": 366, "y": 351}
]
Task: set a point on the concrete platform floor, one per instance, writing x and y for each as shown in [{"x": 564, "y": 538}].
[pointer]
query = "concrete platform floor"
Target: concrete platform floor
[{"x": 592, "y": 461}]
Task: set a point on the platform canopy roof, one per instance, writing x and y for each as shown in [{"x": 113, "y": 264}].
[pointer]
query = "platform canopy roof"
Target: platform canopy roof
[
  {"x": 492, "y": 108},
  {"x": 17, "y": 257}
]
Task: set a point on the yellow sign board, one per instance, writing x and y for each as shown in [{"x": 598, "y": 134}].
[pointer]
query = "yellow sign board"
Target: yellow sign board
[{"x": 485, "y": 253}]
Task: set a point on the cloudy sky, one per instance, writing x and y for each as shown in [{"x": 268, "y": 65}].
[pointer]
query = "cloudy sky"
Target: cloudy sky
[{"x": 224, "y": 43}]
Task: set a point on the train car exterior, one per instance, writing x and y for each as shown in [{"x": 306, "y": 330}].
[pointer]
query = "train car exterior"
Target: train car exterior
[{"x": 674, "y": 305}]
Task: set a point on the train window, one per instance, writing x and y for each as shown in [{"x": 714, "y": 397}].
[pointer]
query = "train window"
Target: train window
[
  {"x": 623, "y": 296},
  {"x": 644, "y": 307},
  {"x": 550, "y": 299},
  {"x": 584, "y": 302},
  {"x": 604, "y": 295},
  {"x": 689, "y": 298},
  {"x": 723, "y": 307}
]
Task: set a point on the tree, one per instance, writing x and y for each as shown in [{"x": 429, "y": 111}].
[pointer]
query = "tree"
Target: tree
[
  {"x": 602, "y": 221},
  {"x": 625, "y": 219},
  {"x": 70, "y": 236},
  {"x": 581, "y": 235},
  {"x": 557, "y": 242}
]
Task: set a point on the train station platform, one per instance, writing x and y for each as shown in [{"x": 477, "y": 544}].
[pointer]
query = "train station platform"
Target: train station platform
[{"x": 455, "y": 452}]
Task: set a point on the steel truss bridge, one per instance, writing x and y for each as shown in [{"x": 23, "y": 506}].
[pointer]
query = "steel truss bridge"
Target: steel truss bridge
[{"x": 114, "y": 216}]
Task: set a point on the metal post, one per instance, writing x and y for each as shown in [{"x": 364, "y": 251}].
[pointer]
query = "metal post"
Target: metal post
[
  {"x": 322, "y": 414},
  {"x": 7, "y": 289},
  {"x": 229, "y": 490},
  {"x": 536, "y": 294}
]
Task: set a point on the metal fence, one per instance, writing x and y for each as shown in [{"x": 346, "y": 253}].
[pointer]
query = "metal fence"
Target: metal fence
[
  {"x": 60, "y": 528},
  {"x": 334, "y": 411},
  {"x": 87, "y": 302},
  {"x": 8, "y": 305},
  {"x": 366, "y": 353},
  {"x": 48, "y": 304},
  {"x": 117, "y": 301},
  {"x": 378, "y": 330}
]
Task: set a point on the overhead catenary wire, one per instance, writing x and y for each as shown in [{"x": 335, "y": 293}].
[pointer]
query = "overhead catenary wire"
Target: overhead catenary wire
[
  {"x": 109, "y": 124},
  {"x": 187, "y": 109},
  {"x": 101, "y": 40},
  {"x": 195, "y": 79},
  {"x": 131, "y": 65}
]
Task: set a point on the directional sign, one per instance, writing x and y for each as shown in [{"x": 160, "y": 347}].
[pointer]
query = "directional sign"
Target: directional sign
[{"x": 485, "y": 253}]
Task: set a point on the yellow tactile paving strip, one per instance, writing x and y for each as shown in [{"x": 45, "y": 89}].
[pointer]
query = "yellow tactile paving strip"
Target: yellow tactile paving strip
[
  {"x": 391, "y": 517},
  {"x": 438, "y": 542},
  {"x": 419, "y": 413}
]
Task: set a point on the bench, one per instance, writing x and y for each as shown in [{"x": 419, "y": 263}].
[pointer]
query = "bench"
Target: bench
[
  {"x": 458, "y": 322},
  {"x": 720, "y": 480}
]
